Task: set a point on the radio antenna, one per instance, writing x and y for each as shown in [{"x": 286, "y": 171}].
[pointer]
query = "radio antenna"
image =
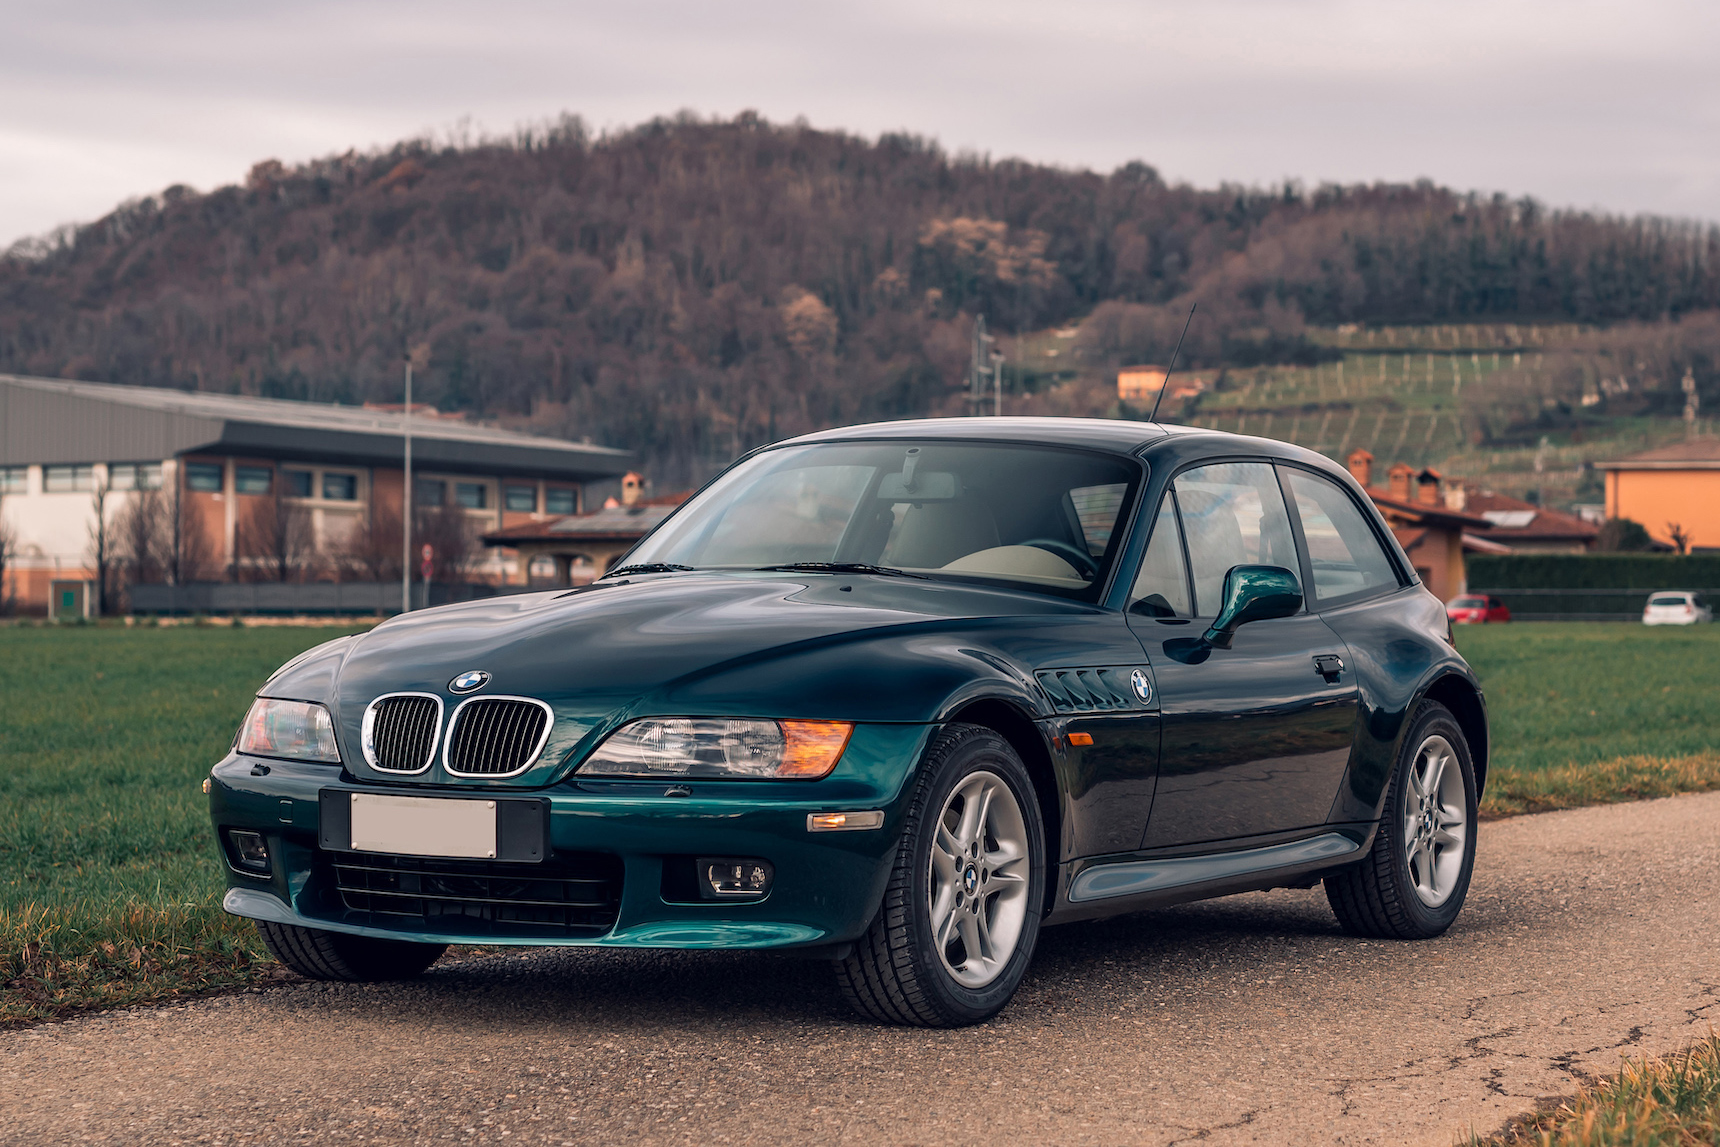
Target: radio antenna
[{"x": 1166, "y": 385}]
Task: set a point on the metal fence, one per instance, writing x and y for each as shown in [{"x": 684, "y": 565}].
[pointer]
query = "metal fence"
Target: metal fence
[{"x": 351, "y": 597}]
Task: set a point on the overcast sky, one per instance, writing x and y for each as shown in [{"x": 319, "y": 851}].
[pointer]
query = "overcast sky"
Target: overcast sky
[{"x": 1608, "y": 105}]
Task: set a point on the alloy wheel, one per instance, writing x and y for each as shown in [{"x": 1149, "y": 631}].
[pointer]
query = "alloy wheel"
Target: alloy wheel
[
  {"x": 978, "y": 879},
  {"x": 1435, "y": 822}
]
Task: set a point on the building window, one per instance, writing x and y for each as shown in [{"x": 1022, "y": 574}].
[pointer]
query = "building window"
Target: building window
[
  {"x": 296, "y": 483},
  {"x": 204, "y": 477},
  {"x": 520, "y": 499},
  {"x": 68, "y": 479},
  {"x": 340, "y": 487},
  {"x": 14, "y": 479},
  {"x": 134, "y": 476},
  {"x": 471, "y": 495},
  {"x": 429, "y": 492},
  {"x": 253, "y": 479},
  {"x": 541, "y": 568},
  {"x": 557, "y": 501}
]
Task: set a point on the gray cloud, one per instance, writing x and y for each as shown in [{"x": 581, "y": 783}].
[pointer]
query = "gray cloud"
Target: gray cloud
[{"x": 1606, "y": 105}]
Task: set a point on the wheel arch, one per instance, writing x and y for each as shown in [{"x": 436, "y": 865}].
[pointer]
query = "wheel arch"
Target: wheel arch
[
  {"x": 1463, "y": 698},
  {"x": 1024, "y": 737}
]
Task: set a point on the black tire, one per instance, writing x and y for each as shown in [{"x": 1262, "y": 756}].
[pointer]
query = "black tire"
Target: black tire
[
  {"x": 320, "y": 955},
  {"x": 1377, "y": 897},
  {"x": 896, "y": 973}
]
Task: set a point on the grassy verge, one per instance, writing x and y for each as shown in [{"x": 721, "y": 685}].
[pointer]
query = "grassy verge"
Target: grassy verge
[
  {"x": 109, "y": 879},
  {"x": 1670, "y": 1102},
  {"x": 1512, "y": 792}
]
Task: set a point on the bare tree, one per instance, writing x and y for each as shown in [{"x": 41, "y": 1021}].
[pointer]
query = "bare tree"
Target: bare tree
[
  {"x": 1679, "y": 536},
  {"x": 372, "y": 551},
  {"x": 276, "y": 538},
  {"x": 453, "y": 539},
  {"x": 140, "y": 537},
  {"x": 189, "y": 554},
  {"x": 101, "y": 546}
]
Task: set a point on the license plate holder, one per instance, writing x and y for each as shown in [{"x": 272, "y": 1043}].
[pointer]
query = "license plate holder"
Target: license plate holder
[{"x": 449, "y": 827}]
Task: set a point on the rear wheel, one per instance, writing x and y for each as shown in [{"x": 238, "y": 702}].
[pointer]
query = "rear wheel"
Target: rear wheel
[
  {"x": 961, "y": 913},
  {"x": 1414, "y": 880},
  {"x": 321, "y": 955}
]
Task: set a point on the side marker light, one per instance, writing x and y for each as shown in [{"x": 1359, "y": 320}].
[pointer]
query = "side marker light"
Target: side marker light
[
  {"x": 844, "y": 821},
  {"x": 1080, "y": 738}
]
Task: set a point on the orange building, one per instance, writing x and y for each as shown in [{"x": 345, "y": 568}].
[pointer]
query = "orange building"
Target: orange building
[{"x": 1675, "y": 487}]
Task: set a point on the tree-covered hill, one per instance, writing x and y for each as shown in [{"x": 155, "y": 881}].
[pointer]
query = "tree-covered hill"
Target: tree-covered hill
[{"x": 692, "y": 288}]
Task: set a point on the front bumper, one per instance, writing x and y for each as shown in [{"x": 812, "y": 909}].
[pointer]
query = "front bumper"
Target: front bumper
[{"x": 626, "y": 845}]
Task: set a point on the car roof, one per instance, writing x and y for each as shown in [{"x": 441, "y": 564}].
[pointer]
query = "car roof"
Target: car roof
[{"x": 1108, "y": 434}]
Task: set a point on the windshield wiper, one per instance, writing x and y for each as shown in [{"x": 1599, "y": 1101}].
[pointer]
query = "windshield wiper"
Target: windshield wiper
[
  {"x": 649, "y": 568},
  {"x": 842, "y": 568}
]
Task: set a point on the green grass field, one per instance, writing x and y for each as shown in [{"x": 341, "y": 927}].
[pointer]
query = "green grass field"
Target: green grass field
[
  {"x": 110, "y": 882},
  {"x": 109, "y": 877}
]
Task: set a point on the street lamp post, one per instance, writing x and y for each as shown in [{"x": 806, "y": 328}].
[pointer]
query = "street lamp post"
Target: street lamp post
[{"x": 406, "y": 500}]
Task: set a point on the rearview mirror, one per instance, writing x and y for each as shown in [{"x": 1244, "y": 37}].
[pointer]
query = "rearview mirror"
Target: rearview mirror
[
  {"x": 931, "y": 486},
  {"x": 1253, "y": 593}
]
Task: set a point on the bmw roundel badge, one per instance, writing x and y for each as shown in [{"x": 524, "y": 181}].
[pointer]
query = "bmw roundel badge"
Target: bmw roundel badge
[
  {"x": 1142, "y": 686},
  {"x": 467, "y": 682}
]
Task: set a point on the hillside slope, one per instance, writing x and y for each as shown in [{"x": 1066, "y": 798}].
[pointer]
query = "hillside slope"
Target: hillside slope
[{"x": 691, "y": 288}]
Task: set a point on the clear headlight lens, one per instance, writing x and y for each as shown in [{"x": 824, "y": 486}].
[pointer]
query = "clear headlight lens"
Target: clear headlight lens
[
  {"x": 720, "y": 747},
  {"x": 298, "y": 730}
]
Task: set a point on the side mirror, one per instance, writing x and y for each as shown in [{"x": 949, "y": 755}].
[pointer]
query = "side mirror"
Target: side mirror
[{"x": 1253, "y": 593}]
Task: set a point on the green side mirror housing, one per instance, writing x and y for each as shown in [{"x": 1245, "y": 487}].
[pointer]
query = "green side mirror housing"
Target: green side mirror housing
[{"x": 1253, "y": 593}]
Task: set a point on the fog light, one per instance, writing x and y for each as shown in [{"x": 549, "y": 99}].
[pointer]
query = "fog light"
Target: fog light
[
  {"x": 734, "y": 879},
  {"x": 250, "y": 850}
]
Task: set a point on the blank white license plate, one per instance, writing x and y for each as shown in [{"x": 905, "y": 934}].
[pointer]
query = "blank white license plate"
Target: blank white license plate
[{"x": 423, "y": 826}]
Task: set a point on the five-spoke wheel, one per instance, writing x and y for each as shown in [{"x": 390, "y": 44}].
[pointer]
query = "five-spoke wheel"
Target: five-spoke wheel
[
  {"x": 967, "y": 890},
  {"x": 978, "y": 880},
  {"x": 1411, "y": 883}
]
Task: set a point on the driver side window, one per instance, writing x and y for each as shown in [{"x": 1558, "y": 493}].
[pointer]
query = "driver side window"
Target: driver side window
[{"x": 1232, "y": 514}]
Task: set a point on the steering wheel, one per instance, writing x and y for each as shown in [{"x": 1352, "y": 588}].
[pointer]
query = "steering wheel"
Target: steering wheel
[{"x": 1083, "y": 562}]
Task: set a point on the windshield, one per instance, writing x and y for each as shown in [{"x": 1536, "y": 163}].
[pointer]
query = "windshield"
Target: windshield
[
  {"x": 1039, "y": 517},
  {"x": 1469, "y": 603},
  {"x": 1680, "y": 600}
]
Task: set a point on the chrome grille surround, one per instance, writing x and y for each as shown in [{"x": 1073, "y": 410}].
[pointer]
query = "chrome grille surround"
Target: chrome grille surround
[
  {"x": 401, "y": 732},
  {"x": 487, "y": 732}
]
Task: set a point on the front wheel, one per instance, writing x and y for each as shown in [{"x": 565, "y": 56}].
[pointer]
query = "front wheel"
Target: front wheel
[
  {"x": 322, "y": 955},
  {"x": 961, "y": 913},
  {"x": 1413, "y": 882}
]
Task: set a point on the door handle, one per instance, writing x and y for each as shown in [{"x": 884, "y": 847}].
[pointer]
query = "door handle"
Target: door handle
[{"x": 1330, "y": 666}]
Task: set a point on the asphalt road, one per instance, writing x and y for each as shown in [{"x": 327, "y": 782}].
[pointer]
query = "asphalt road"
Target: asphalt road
[{"x": 1588, "y": 935}]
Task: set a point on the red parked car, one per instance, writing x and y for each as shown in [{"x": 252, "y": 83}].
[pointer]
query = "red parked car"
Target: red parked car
[{"x": 1476, "y": 608}]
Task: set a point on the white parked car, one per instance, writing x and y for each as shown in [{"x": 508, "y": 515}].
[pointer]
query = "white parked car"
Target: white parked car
[{"x": 1676, "y": 607}]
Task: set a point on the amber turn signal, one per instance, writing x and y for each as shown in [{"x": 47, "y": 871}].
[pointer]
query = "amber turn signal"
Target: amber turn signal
[
  {"x": 1080, "y": 738},
  {"x": 812, "y": 748}
]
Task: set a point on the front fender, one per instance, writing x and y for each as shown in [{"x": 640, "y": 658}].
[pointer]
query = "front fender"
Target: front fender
[{"x": 312, "y": 674}]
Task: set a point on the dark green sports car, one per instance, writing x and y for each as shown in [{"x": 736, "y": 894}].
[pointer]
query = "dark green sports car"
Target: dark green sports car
[{"x": 893, "y": 696}]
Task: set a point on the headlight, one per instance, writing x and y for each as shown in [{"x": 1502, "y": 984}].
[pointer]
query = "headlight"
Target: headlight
[
  {"x": 298, "y": 730},
  {"x": 720, "y": 747}
]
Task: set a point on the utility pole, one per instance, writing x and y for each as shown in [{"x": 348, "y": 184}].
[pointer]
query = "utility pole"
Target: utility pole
[
  {"x": 406, "y": 499},
  {"x": 982, "y": 367}
]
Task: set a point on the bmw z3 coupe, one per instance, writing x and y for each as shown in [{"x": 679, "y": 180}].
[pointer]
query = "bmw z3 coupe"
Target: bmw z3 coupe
[{"x": 897, "y": 696}]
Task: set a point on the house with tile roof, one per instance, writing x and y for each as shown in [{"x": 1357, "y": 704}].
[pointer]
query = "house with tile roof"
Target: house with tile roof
[{"x": 1431, "y": 533}]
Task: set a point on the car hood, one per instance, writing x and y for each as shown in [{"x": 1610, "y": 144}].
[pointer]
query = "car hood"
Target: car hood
[{"x": 601, "y": 654}]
